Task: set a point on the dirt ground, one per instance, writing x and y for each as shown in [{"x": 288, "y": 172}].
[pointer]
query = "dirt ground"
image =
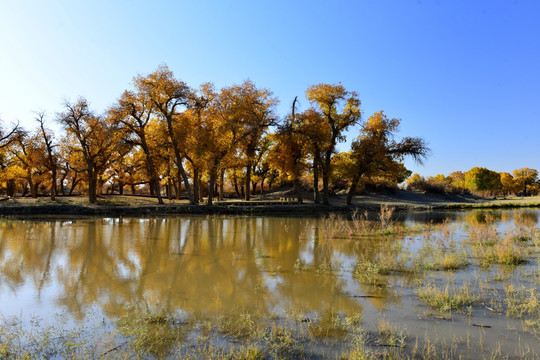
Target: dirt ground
[{"x": 269, "y": 203}]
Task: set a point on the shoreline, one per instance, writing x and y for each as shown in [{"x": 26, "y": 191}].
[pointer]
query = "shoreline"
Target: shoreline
[{"x": 143, "y": 210}]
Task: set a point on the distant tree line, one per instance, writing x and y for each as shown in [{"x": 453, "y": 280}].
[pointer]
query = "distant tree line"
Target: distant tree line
[
  {"x": 481, "y": 181},
  {"x": 165, "y": 139}
]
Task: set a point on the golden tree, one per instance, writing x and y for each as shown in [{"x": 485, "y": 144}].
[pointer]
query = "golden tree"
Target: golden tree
[
  {"x": 483, "y": 180},
  {"x": 340, "y": 110},
  {"x": 525, "y": 177},
  {"x": 30, "y": 157},
  {"x": 508, "y": 183},
  {"x": 94, "y": 140},
  {"x": 134, "y": 112},
  {"x": 315, "y": 135},
  {"x": 252, "y": 113},
  {"x": 376, "y": 150},
  {"x": 51, "y": 159},
  {"x": 167, "y": 96},
  {"x": 289, "y": 151}
]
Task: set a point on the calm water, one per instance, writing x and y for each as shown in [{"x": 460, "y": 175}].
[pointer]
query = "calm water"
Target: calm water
[{"x": 89, "y": 269}]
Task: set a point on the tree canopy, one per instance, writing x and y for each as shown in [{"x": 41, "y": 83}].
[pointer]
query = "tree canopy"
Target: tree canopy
[{"x": 164, "y": 138}]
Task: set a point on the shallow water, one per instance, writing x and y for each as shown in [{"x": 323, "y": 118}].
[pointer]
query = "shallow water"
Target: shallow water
[{"x": 89, "y": 269}]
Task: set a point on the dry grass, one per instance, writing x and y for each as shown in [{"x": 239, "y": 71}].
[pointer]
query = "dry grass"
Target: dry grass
[{"x": 448, "y": 298}]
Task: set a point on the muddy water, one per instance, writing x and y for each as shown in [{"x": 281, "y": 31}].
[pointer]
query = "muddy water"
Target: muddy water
[{"x": 89, "y": 269}]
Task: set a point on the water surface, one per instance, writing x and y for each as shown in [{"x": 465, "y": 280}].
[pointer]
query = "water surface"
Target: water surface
[{"x": 89, "y": 269}]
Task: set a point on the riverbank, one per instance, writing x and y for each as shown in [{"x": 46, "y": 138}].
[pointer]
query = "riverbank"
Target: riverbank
[{"x": 275, "y": 203}]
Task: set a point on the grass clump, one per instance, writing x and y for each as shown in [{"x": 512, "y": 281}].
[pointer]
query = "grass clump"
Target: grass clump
[
  {"x": 359, "y": 350},
  {"x": 505, "y": 252},
  {"x": 389, "y": 335},
  {"x": 371, "y": 273},
  {"x": 522, "y": 302},
  {"x": 242, "y": 326},
  {"x": 440, "y": 251},
  {"x": 150, "y": 333},
  {"x": 360, "y": 225},
  {"x": 331, "y": 325},
  {"x": 391, "y": 259},
  {"x": 440, "y": 257},
  {"x": 447, "y": 299},
  {"x": 488, "y": 246}
]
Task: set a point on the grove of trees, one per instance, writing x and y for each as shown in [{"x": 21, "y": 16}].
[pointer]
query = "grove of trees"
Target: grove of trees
[
  {"x": 166, "y": 139},
  {"x": 481, "y": 181}
]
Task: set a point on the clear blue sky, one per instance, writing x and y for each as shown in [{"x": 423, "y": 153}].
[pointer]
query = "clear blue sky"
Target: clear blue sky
[{"x": 464, "y": 75}]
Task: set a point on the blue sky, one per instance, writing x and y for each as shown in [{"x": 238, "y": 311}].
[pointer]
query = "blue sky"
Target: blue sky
[{"x": 464, "y": 75}]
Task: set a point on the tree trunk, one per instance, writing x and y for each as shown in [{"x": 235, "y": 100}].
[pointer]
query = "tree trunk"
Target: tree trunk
[
  {"x": 99, "y": 187},
  {"x": 92, "y": 185},
  {"x": 10, "y": 189},
  {"x": 248, "y": 182},
  {"x": 235, "y": 180},
  {"x": 53, "y": 184},
  {"x": 200, "y": 189},
  {"x": 33, "y": 190},
  {"x": 352, "y": 189},
  {"x": 176, "y": 185},
  {"x": 326, "y": 177},
  {"x": 74, "y": 183},
  {"x": 211, "y": 184},
  {"x": 181, "y": 172},
  {"x": 154, "y": 179},
  {"x": 298, "y": 191},
  {"x": 316, "y": 196},
  {"x": 157, "y": 190},
  {"x": 133, "y": 190},
  {"x": 221, "y": 180},
  {"x": 121, "y": 188},
  {"x": 196, "y": 193}
]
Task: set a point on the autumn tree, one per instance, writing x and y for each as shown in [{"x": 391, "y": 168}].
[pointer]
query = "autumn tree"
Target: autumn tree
[
  {"x": 415, "y": 182},
  {"x": 204, "y": 149},
  {"x": 376, "y": 150},
  {"x": 508, "y": 184},
  {"x": 93, "y": 139},
  {"x": 134, "y": 112},
  {"x": 525, "y": 177},
  {"x": 343, "y": 169},
  {"x": 341, "y": 110},
  {"x": 228, "y": 129},
  {"x": 289, "y": 151},
  {"x": 51, "y": 158},
  {"x": 30, "y": 157},
  {"x": 71, "y": 165},
  {"x": 315, "y": 136},
  {"x": 254, "y": 113},
  {"x": 482, "y": 179},
  {"x": 458, "y": 180},
  {"x": 168, "y": 96}
]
